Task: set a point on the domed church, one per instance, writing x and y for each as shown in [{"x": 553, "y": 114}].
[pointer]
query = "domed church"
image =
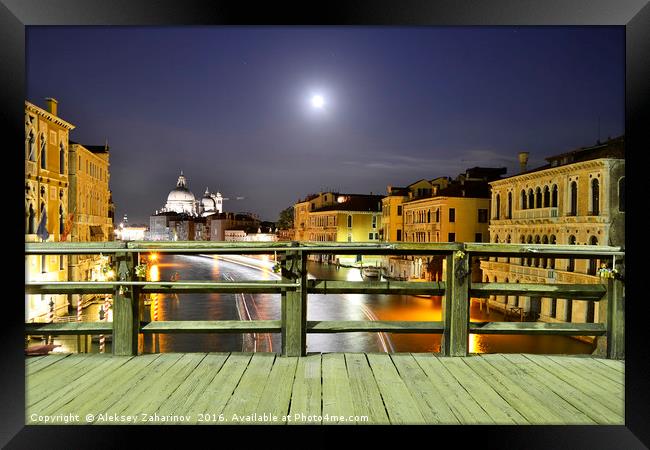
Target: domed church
[{"x": 182, "y": 201}]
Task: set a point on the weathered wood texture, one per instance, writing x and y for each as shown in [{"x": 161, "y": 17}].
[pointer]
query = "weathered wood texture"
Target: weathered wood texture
[
  {"x": 214, "y": 326},
  {"x": 592, "y": 292},
  {"x": 337, "y": 388},
  {"x": 125, "y": 304},
  {"x": 294, "y": 307},
  {"x": 374, "y": 287},
  {"x": 565, "y": 329},
  {"x": 455, "y": 307},
  {"x": 332, "y": 326}
]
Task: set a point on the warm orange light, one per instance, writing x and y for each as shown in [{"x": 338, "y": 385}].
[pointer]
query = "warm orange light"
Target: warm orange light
[
  {"x": 154, "y": 273},
  {"x": 153, "y": 257}
]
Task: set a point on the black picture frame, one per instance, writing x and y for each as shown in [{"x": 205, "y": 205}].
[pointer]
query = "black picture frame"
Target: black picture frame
[{"x": 634, "y": 15}]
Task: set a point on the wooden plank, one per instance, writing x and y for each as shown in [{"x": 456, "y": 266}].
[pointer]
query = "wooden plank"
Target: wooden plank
[
  {"x": 181, "y": 401},
  {"x": 401, "y": 407},
  {"x": 617, "y": 365},
  {"x": 213, "y": 326},
  {"x": 67, "y": 328},
  {"x": 56, "y": 248},
  {"x": 500, "y": 411},
  {"x": 276, "y": 397},
  {"x": 455, "y": 307},
  {"x": 586, "y": 292},
  {"x": 306, "y": 393},
  {"x": 589, "y": 406},
  {"x": 337, "y": 394},
  {"x": 143, "y": 389},
  {"x": 459, "y": 401},
  {"x": 30, "y": 359},
  {"x": 74, "y": 382},
  {"x": 537, "y": 328},
  {"x": 428, "y": 398},
  {"x": 375, "y": 287},
  {"x": 91, "y": 387},
  {"x": 592, "y": 369},
  {"x": 242, "y": 406},
  {"x": 338, "y": 326},
  {"x": 515, "y": 395},
  {"x": 63, "y": 369},
  {"x": 609, "y": 394},
  {"x": 218, "y": 392},
  {"x": 196, "y": 287},
  {"x": 543, "y": 396},
  {"x": 109, "y": 387},
  {"x": 45, "y": 362},
  {"x": 68, "y": 287},
  {"x": 533, "y": 250},
  {"x": 365, "y": 392},
  {"x": 157, "y": 390}
]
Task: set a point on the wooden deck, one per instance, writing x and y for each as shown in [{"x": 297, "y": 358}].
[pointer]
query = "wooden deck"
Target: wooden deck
[{"x": 373, "y": 388}]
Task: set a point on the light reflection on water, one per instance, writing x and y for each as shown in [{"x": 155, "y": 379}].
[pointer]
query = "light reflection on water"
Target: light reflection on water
[{"x": 320, "y": 307}]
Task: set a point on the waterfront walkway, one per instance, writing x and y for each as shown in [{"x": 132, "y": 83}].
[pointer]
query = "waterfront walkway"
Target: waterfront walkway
[{"x": 372, "y": 388}]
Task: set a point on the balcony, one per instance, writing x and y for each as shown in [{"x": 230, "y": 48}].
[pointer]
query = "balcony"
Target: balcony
[{"x": 536, "y": 213}]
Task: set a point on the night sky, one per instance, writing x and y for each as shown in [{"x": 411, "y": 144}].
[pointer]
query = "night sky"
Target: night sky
[{"x": 230, "y": 106}]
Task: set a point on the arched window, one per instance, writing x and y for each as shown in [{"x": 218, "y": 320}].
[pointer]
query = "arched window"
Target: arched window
[
  {"x": 497, "y": 207},
  {"x": 572, "y": 263},
  {"x": 554, "y": 197},
  {"x": 61, "y": 159},
  {"x": 531, "y": 199},
  {"x": 429, "y": 216},
  {"x": 573, "y": 203},
  {"x": 349, "y": 221},
  {"x": 31, "y": 220},
  {"x": 523, "y": 199},
  {"x": 621, "y": 194},
  {"x": 593, "y": 263},
  {"x": 538, "y": 198},
  {"x": 551, "y": 261},
  {"x": 437, "y": 215},
  {"x": 43, "y": 151},
  {"x": 595, "y": 197},
  {"x": 509, "y": 205},
  {"x": 547, "y": 197}
]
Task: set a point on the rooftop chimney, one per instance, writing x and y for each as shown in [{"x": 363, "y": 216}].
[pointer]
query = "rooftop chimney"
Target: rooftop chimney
[
  {"x": 523, "y": 161},
  {"x": 51, "y": 105}
]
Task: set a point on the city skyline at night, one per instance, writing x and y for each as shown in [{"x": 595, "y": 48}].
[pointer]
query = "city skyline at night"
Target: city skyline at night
[{"x": 272, "y": 114}]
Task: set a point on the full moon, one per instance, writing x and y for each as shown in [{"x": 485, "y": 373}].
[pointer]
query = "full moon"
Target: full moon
[{"x": 317, "y": 101}]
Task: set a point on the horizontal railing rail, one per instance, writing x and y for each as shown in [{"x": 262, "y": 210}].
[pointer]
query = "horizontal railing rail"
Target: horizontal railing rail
[{"x": 294, "y": 287}]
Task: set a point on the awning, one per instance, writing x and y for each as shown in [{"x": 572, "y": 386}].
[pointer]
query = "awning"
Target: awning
[{"x": 96, "y": 231}]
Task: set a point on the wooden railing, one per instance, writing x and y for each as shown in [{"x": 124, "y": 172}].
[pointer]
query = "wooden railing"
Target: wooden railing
[{"x": 294, "y": 287}]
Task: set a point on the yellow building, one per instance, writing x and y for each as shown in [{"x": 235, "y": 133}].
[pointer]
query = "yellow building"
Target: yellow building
[
  {"x": 46, "y": 202},
  {"x": 335, "y": 217},
  {"x": 451, "y": 211},
  {"x": 90, "y": 218},
  {"x": 577, "y": 198}
]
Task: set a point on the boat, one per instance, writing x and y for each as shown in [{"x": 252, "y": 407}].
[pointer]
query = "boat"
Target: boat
[{"x": 371, "y": 272}]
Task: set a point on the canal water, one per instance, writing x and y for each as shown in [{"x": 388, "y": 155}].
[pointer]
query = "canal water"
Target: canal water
[{"x": 320, "y": 307}]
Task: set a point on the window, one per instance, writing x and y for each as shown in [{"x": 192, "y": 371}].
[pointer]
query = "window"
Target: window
[
  {"x": 30, "y": 146},
  {"x": 497, "y": 208},
  {"x": 595, "y": 197},
  {"x": 399, "y": 210},
  {"x": 593, "y": 263},
  {"x": 553, "y": 308},
  {"x": 554, "y": 197},
  {"x": 376, "y": 236},
  {"x": 61, "y": 266},
  {"x": 482, "y": 216},
  {"x": 509, "y": 205},
  {"x": 370, "y": 235},
  {"x": 452, "y": 237},
  {"x": 572, "y": 263},
  {"x": 573, "y": 210},
  {"x": 61, "y": 159},
  {"x": 437, "y": 215},
  {"x": 43, "y": 151},
  {"x": 452, "y": 215},
  {"x": 621, "y": 194},
  {"x": 349, "y": 221},
  {"x": 399, "y": 235},
  {"x": 531, "y": 199},
  {"x": 547, "y": 197},
  {"x": 478, "y": 237},
  {"x": 538, "y": 198},
  {"x": 374, "y": 221},
  {"x": 61, "y": 220},
  {"x": 523, "y": 199},
  {"x": 43, "y": 263},
  {"x": 31, "y": 220},
  {"x": 429, "y": 216}
]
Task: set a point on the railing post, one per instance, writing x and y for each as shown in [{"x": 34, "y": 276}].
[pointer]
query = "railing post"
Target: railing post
[
  {"x": 294, "y": 305},
  {"x": 126, "y": 317},
  {"x": 616, "y": 314},
  {"x": 455, "y": 306}
]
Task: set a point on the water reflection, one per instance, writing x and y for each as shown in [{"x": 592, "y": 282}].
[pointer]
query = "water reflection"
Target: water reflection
[{"x": 320, "y": 307}]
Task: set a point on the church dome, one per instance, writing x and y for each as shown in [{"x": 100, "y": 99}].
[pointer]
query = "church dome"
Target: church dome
[
  {"x": 180, "y": 195},
  {"x": 207, "y": 201},
  {"x": 181, "y": 200}
]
